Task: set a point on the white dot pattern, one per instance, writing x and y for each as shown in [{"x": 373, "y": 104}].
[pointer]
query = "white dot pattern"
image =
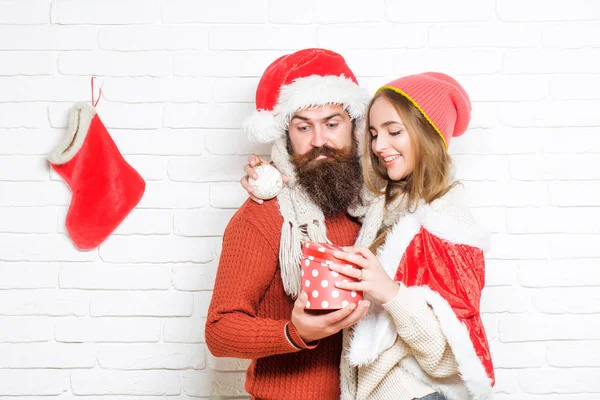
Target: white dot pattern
[{"x": 322, "y": 286}]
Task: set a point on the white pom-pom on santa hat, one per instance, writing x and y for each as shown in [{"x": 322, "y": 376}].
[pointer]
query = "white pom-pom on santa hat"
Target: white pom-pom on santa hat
[
  {"x": 306, "y": 78},
  {"x": 263, "y": 127}
]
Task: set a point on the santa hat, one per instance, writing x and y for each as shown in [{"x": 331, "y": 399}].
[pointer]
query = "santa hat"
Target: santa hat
[
  {"x": 306, "y": 78},
  {"x": 441, "y": 100}
]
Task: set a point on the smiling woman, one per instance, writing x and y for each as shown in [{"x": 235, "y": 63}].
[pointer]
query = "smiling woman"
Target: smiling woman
[
  {"x": 420, "y": 254},
  {"x": 399, "y": 136}
]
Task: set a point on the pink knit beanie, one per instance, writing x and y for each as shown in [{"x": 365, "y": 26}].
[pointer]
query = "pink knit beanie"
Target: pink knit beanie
[{"x": 441, "y": 100}]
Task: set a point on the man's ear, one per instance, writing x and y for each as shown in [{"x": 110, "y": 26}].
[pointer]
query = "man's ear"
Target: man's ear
[
  {"x": 359, "y": 134},
  {"x": 356, "y": 131},
  {"x": 288, "y": 143}
]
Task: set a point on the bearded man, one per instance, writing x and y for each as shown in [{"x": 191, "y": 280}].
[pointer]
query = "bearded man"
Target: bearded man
[{"x": 308, "y": 105}]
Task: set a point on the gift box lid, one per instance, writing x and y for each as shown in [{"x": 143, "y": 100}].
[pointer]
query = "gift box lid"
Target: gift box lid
[{"x": 320, "y": 250}]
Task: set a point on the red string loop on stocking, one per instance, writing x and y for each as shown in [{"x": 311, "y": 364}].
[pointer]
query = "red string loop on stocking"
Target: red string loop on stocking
[{"x": 99, "y": 93}]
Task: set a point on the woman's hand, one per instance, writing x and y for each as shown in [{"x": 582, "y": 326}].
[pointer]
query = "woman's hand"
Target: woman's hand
[
  {"x": 249, "y": 169},
  {"x": 374, "y": 281}
]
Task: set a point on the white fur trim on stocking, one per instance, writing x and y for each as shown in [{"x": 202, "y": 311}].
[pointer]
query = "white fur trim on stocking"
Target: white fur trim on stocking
[{"x": 80, "y": 118}]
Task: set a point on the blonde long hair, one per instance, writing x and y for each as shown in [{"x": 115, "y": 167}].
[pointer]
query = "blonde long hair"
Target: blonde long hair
[{"x": 430, "y": 178}]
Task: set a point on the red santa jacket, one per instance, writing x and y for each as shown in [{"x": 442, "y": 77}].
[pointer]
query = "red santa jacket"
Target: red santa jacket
[{"x": 437, "y": 252}]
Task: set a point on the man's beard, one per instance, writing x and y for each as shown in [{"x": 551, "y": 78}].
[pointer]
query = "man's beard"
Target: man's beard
[{"x": 333, "y": 183}]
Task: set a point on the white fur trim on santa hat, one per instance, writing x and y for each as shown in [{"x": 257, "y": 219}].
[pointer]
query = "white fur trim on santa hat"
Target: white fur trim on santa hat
[
  {"x": 266, "y": 126},
  {"x": 318, "y": 90},
  {"x": 80, "y": 118}
]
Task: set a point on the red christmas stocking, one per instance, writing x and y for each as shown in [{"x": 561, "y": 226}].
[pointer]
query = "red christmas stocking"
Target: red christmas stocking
[{"x": 105, "y": 188}]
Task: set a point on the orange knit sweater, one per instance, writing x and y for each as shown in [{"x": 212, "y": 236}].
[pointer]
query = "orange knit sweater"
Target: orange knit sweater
[{"x": 249, "y": 311}]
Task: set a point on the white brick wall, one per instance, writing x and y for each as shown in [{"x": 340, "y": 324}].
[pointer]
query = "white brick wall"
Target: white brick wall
[{"x": 126, "y": 321}]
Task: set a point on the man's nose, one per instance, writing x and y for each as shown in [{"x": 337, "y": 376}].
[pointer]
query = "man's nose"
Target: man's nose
[{"x": 318, "y": 139}]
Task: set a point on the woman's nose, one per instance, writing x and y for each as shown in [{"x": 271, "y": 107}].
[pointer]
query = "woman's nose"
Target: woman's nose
[{"x": 381, "y": 143}]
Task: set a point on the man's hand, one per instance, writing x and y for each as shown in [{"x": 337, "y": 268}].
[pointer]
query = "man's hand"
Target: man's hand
[
  {"x": 312, "y": 327},
  {"x": 249, "y": 169}
]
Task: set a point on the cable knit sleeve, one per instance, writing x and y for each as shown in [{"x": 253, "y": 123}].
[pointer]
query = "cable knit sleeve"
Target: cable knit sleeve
[
  {"x": 348, "y": 373},
  {"x": 420, "y": 329},
  {"x": 247, "y": 267}
]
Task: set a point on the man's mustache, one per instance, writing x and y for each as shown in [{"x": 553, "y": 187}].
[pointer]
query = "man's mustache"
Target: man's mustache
[
  {"x": 330, "y": 152},
  {"x": 322, "y": 151}
]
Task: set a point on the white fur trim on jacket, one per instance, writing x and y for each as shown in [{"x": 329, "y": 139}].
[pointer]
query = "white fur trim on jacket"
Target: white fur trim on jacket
[
  {"x": 473, "y": 383},
  {"x": 266, "y": 126},
  {"x": 80, "y": 118},
  {"x": 449, "y": 219}
]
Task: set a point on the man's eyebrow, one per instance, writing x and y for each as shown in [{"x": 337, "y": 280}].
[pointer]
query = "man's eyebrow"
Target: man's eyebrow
[
  {"x": 332, "y": 116},
  {"x": 300, "y": 117},
  {"x": 322, "y": 119}
]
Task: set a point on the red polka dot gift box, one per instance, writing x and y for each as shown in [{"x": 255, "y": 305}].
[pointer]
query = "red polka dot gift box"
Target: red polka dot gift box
[{"x": 318, "y": 281}]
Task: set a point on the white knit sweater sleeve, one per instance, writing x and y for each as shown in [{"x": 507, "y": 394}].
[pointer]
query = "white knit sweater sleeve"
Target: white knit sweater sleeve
[
  {"x": 348, "y": 373},
  {"x": 420, "y": 329}
]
